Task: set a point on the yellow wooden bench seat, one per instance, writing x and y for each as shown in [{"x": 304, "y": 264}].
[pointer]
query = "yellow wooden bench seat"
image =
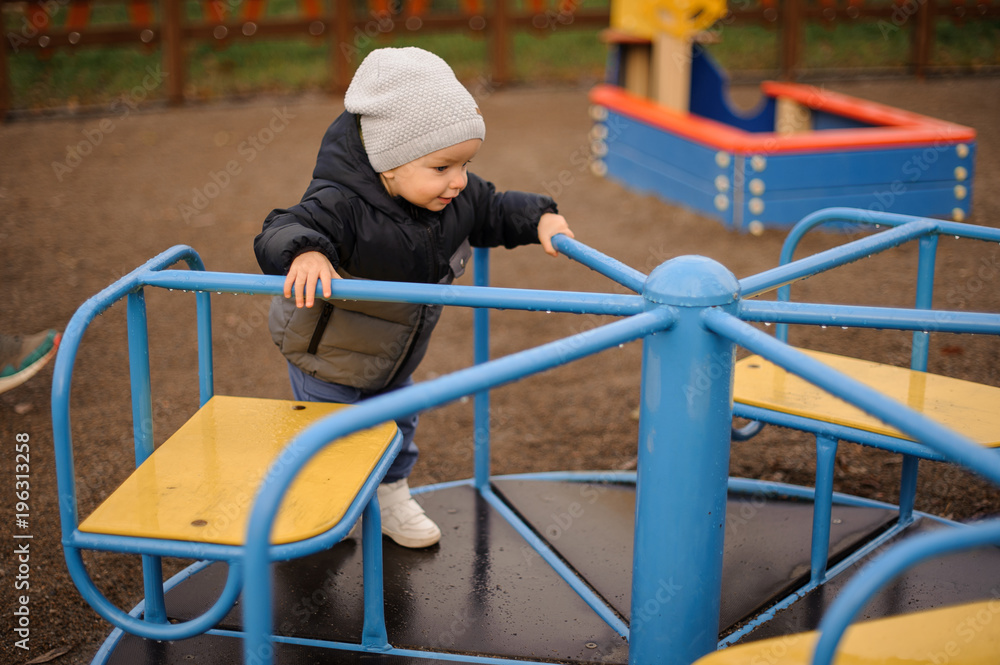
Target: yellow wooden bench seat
[
  {"x": 199, "y": 485},
  {"x": 970, "y": 408},
  {"x": 959, "y": 635}
]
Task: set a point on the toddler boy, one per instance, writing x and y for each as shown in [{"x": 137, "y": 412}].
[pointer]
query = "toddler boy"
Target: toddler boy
[{"x": 391, "y": 199}]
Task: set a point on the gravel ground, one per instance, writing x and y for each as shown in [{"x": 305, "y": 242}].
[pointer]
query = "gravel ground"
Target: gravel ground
[{"x": 69, "y": 231}]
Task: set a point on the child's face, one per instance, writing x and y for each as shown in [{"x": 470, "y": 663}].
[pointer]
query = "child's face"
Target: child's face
[{"x": 433, "y": 180}]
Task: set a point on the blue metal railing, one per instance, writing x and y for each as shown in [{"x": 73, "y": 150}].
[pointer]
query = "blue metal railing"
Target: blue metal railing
[
  {"x": 926, "y": 232},
  {"x": 689, "y": 316},
  {"x": 156, "y": 273}
]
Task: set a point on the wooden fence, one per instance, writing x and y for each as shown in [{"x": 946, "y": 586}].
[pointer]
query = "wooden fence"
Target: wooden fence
[{"x": 40, "y": 26}]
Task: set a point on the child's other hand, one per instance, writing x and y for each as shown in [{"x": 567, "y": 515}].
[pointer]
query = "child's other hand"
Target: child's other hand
[
  {"x": 549, "y": 225},
  {"x": 306, "y": 268}
]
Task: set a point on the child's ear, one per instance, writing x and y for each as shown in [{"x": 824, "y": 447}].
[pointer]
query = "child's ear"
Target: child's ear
[{"x": 390, "y": 174}]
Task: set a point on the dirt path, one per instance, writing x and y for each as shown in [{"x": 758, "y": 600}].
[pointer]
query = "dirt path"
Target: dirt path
[{"x": 207, "y": 177}]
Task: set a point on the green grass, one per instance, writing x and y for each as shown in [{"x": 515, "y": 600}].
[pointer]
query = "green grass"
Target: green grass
[
  {"x": 97, "y": 76},
  {"x": 974, "y": 44},
  {"x": 868, "y": 45},
  {"x": 87, "y": 76}
]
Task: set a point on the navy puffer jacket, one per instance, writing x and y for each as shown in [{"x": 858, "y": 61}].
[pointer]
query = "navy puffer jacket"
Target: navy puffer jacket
[{"x": 347, "y": 214}]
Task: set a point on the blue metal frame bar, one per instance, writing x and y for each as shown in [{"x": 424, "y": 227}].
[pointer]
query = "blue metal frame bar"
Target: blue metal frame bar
[
  {"x": 821, "y": 428},
  {"x": 142, "y": 431},
  {"x": 138, "y": 360},
  {"x": 770, "y": 487},
  {"x": 735, "y": 485},
  {"x": 160, "y": 547},
  {"x": 877, "y": 219},
  {"x": 481, "y": 354},
  {"x": 206, "y": 371},
  {"x": 886, "y": 568},
  {"x": 429, "y": 294},
  {"x": 826, "y": 457},
  {"x": 373, "y": 634},
  {"x": 444, "y": 656},
  {"x": 257, "y": 606},
  {"x": 952, "y": 445},
  {"x": 611, "y": 268},
  {"x": 919, "y": 350},
  {"x": 831, "y": 258},
  {"x": 852, "y": 316},
  {"x": 908, "y": 487},
  {"x": 924, "y": 299}
]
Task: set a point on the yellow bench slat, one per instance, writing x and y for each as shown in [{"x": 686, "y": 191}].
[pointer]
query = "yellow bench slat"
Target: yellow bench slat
[
  {"x": 959, "y": 635},
  {"x": 970, "y": 408},
  {"x": 200, "y": 484}
]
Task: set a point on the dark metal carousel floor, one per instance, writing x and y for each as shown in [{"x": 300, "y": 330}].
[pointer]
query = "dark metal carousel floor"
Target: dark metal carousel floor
[
  {"x": 483, "y": 590},
  {"x": 953, "y": 579}
]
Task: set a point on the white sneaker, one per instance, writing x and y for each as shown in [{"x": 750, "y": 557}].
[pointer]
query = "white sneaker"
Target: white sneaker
[{"x": 403, "y": 519}]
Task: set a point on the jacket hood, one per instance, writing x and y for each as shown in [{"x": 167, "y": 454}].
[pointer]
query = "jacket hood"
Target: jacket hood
[{"x": 342, "y": 160}]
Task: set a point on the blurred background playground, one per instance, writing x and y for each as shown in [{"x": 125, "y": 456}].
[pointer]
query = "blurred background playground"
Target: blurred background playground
[
  {"x": 73, "y": 53},
  {"x": 194, "y": 127}
]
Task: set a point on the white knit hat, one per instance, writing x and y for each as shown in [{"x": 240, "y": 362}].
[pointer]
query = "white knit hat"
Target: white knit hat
[{"x": 410, "y": 105}]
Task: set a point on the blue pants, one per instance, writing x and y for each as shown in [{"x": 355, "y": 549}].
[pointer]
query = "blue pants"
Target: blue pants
[{"x": 310, "y": 389}]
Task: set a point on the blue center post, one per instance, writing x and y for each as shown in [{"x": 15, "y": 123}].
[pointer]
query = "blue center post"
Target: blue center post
[{"x": 684, "y": 436}]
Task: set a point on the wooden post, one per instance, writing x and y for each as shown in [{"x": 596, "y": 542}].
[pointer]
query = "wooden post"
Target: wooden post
[
  {"x": 635, "y": 68},
  {"x": 342, "y": 64},
  {"x": 4, "y": 72},
  {"x": 500, "y": 46},
  {"x": 791, "y": 35},
  {"x": 172, "y": 43},
  {"x": 922, "y": 37},
  {"x": 672, "y": 72},
  {"x": 791, "y": 117}
]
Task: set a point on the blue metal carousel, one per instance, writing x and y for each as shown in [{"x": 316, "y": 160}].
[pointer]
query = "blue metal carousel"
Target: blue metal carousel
[{"x": 562, "y": 567}]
